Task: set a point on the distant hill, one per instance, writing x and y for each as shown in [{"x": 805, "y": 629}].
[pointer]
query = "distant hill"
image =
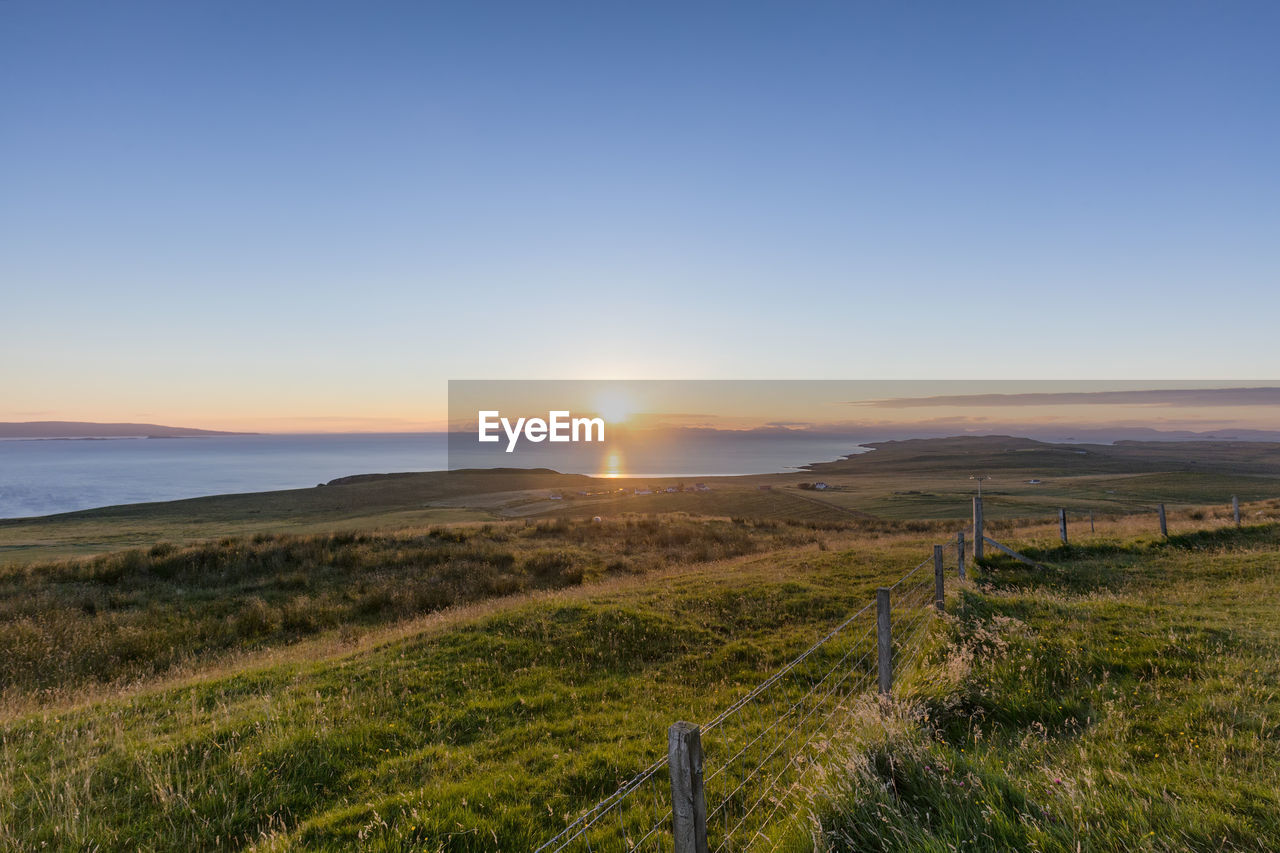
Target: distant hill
[
  {"x": 85, "y": 429},
  {"x": 963, "y": 455}
]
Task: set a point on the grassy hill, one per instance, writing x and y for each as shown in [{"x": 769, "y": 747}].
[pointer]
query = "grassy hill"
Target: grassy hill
[
  {"x": 361, "y": 503},
  {"x": 456, "y": 661},
  {"x": 484, "y": 726},
  {"x": 926, "y": 478},
  {"x": 1126, "y": 700},
  {"x": 479, "y": 728},
  {"x": 991, "y": 454},
  {"x": 87, "y": 429},
  {"x": 139, "y": 613}
]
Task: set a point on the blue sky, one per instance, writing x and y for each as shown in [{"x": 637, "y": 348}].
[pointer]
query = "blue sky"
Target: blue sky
[{"x": 309, "y": 215}]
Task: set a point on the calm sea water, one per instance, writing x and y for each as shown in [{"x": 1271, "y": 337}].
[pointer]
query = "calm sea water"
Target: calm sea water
[
  {"x": 45, "y": 477},
  {"x": 48, "y": 476}
]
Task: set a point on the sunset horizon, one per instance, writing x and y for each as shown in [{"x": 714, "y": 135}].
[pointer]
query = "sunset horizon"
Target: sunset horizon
[
  {"x": 1170, "y": 404},
  {"x": 480, "y": 426}
]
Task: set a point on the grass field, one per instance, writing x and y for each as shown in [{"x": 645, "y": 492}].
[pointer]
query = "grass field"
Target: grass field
[
  {"x": 277, "y": 672},
  {"x": 447, "y": 730},
  {"x": 443, "y": 730},
  {"x": 139, "y": 613},
  {"x": 353, "y": 504},
  {"x": 1125, "y": 701}
]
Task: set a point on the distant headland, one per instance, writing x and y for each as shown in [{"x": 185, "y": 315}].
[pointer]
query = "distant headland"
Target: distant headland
[{"x": 87, "y": 429}]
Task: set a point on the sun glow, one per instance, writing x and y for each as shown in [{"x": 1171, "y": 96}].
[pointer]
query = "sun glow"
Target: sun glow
[{"x": 614, "y": 406}]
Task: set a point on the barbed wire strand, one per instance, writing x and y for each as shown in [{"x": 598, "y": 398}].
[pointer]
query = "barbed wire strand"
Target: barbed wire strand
[
  {"x": 579, "y": 828},
  {"x": 783, "y": 740},
  {"x": 730, "y": 761},
  {"x": 774, "y": 780},
  {"x": 726, "y": 713},
  {"x": 899, "y": 581}
]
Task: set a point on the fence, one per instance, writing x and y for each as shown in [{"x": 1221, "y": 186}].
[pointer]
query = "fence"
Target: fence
[
  {"x": 740, "y": 780},
  {"x": 979, "y": 539}
]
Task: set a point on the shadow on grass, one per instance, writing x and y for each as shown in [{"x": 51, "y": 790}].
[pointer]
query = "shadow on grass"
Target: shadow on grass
[
  {"x": 905, "y": 796},
  {"x": 1106, "y": 566},
  {"x": 1064, "y": 571},
  {"x": 1226, "y": 538}
]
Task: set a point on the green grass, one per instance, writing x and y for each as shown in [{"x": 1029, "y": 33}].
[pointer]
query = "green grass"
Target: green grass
[
  {"x": 140, "y": 613},
  {"x": 1125, "y": 701},
  {"x": 724, "y": 501},
  {"x": 361, "y": 504},
  {"x": 332, "y": 668},
  {"x": 475, "y": 730}
]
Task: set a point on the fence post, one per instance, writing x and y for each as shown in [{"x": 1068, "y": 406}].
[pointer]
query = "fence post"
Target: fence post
[
  {"x": 977, "y": 529},
  {"x": 884, "y": 640},
  {"x": 688, "y": 801},
  {"x": 939, "y": 584},
  {"x": 1062, "y": 524},
  {"x": 1090, "y": 521},
  {"x": 1164, "y": 526},
  {"x": 960, "y": 549},
  {"x": 1235, "y": 508}
]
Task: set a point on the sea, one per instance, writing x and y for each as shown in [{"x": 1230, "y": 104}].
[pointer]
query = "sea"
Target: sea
[{"x": 48, "y": 476}]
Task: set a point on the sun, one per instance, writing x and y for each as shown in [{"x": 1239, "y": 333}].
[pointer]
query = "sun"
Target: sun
[{"x": 614, "y": 406}]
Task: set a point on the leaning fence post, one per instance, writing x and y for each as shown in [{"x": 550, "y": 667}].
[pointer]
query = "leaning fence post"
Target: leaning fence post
[
  {"x": 1164, "y": 526},
  {"x": 1062, "y": 524},
  {"x": 688, "y": 801},
  {"x": 960, "y": 550},
  {"x": 1235, "y": 508},
  {"x": 977, "y": 529},
  {"x": 939, "y": 585},
  {"x": 884, "y": 640}
]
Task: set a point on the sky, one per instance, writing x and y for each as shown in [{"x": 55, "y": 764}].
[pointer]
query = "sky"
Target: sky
[{"x": 309, "y": 216}]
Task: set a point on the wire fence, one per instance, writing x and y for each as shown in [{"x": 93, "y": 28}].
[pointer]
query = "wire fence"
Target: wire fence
[
  {"x": 635, "y": 817},
  {"x": 761, "y": 752}
]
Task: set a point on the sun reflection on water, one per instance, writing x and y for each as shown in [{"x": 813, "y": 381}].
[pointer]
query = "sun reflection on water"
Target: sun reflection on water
[{"x": 612, "y": 466}]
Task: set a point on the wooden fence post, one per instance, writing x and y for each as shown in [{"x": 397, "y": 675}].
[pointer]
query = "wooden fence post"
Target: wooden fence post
[
  {"x": 884, "y": 640},
  {"x": 1090, "y": 521},
  {"x": 1062, "y": 524},
  {"x": 960, "y": 551},
  {"x": 977, "y": 529},
  {"x": 688, "y": 800},
  {"x": 1235, "y": 508},
  {"x": 1164, "y": 525},
  {"x": 939, "y": 583}
]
